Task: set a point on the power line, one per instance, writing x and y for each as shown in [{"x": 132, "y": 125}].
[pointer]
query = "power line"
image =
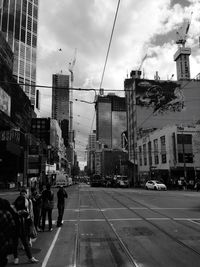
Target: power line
[{"x": 109, "y": 45}]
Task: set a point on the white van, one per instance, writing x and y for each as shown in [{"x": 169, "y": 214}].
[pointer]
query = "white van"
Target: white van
[{"x": 61, "y": 180}]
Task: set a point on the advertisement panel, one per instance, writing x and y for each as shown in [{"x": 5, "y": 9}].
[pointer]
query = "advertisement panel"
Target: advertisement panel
[
  {"x": 5, "y": 102},
  {"x": 162, "y": 103}
]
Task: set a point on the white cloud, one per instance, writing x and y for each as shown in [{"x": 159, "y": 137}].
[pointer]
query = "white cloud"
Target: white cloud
[{"x": 141, "y": 26}]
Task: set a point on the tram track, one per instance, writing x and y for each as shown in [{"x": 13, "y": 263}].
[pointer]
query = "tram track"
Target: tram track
[
  {"x": 154, "y": 224},
  {"x": 160, "y": 213},
  {"x": 118, "y": 238},
  {"x": 77, "y": 236}
]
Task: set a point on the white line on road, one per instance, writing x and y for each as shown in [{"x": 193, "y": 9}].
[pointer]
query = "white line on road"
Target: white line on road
[
  {"x": 132, "y": 208},
  {"x": 135, "y": 219},
  {"x": 51, "y": 248},
  {"x": 193, "y": 221}
]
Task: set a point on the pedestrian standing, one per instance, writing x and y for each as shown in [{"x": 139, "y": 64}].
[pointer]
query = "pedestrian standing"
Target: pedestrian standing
[
  {"x": 61, "y": 195},
  {"x": 7, "y": 231},
  {"x": 23, "y": 206},
  {"x": 37, "y": 206},
  {"x": 47, "y": 206}
]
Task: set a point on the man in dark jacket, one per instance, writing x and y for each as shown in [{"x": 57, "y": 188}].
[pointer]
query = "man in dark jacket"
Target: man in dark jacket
[
  {"x": 7, "y": 231},
  {"x": 47, "y": 206},
  {"x": 61, "y": 195}
]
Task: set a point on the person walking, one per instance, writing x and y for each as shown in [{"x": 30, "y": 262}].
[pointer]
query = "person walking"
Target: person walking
[
  {"x": 7, "y": 231},
  {"x": 23, "y": 207},
  {"x": 37, "y": 205},
  {"x": 47, "y": 206},
  {"x": 61, "y": 195}
]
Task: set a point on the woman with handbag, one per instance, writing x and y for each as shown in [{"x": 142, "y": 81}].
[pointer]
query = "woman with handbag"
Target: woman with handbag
[
  {"x": 47, "y": 206},
  {"x": 23, "y": 206}
]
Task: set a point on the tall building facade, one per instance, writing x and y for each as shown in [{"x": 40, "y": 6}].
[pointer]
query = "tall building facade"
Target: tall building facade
[
  {"x": 110, "y": 120},
  {"x": 91, "y": 151},
  {"x": 170, "y": 154},
  {"x": 154, "y": 104},
  {"x": 18, "y": 22},
  {"x": 61, "y": 110},
  {"x": 60, "y": 97},
  {"x": 183, "y": 63}
]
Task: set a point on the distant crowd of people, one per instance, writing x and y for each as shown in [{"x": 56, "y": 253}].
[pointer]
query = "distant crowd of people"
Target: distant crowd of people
[{"x": 21, "y": 221}]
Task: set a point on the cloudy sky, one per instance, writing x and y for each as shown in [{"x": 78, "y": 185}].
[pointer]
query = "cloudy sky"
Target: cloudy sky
[{"x": 142, "y": 27}]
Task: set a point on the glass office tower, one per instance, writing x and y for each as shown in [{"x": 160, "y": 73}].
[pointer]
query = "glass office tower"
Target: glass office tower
[
  {"x": 18, "y": 22},
  {"x": 110, "y": 120}
]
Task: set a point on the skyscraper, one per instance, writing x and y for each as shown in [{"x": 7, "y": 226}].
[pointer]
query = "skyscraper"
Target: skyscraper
[
  {"x": 18, "y": 22},
  {"x": 60, "y": 97},
  {"x": 110, "y": 120},
  {"x": 61, "y": 107}
]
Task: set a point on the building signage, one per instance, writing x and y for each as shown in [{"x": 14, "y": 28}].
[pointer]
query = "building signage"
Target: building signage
[
  {"x": 5, "y": 102},
  {"x": 98, "y": 163},
  {"x": 13, "y": 136}
]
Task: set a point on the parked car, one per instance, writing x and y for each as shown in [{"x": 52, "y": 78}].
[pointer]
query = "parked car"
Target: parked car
[{"x": 156, "y": 185}]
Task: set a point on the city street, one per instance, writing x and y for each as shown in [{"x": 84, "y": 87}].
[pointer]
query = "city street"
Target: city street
[{"x": 121, "y": 227}]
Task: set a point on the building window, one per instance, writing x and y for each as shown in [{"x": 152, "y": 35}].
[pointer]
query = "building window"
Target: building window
[
  {"x": 155, "y": 147},
  {"x": 164, "y": 158},
  {"x": 162, "y": 141},
  {"x": 23, "y": 34},
  {"x": 29, "y": 23},
  {"x": 145, "y": 154},
  {"x": 185, "y": 150},
  {"x": 156, "y": 158},
  {"x": 150, "y": 153},
  {"x": 140, "y": 155}
]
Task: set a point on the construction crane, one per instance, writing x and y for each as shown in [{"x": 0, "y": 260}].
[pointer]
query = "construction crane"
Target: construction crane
[
  {"x": 182, "y": 38},
  {"x": 71, "y": 70}
]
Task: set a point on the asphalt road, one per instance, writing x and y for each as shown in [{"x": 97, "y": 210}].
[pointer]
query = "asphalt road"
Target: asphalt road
[{"x": 122, "y": 227}]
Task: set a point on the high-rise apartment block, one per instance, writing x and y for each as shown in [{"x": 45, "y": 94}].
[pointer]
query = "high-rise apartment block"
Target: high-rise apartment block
[
  {"x": 61, "y": 110},
  {"x": 60, "y": 97},
  {"x": 182, "y": 63},
  {"x": 18, "y": 22},
  {"x": 91, "y": 151}
]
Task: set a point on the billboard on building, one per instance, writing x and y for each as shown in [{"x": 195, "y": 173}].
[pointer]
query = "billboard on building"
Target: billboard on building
[
  {"x": 5, "y": 102},
  {"x": 162, "y": 103},
  {"x": 161, "y": 96}
]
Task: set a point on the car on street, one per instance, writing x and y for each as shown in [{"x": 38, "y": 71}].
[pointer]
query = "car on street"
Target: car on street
[
  {"x": 122, "y": 181},
  {"x": 155, "y": 185}
]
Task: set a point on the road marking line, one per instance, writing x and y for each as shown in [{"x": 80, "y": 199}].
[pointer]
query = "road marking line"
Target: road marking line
[
  {"x": 159, "y": 219},
  {"x": 92, "y": 220},
  {"x": 132, "y": 208},
  {"x": 44, "y": 263},
  {"x": 134, "y": 219},
  {"x": 198, "y": 223},
  {"x": 185, "y": 219},
  {"x": 126, "y": 219}
]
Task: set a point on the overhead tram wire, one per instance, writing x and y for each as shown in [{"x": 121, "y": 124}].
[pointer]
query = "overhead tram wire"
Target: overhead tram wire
[
  {"x": 107, "y": 54},
  {"x": 109, "y": 45}
]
